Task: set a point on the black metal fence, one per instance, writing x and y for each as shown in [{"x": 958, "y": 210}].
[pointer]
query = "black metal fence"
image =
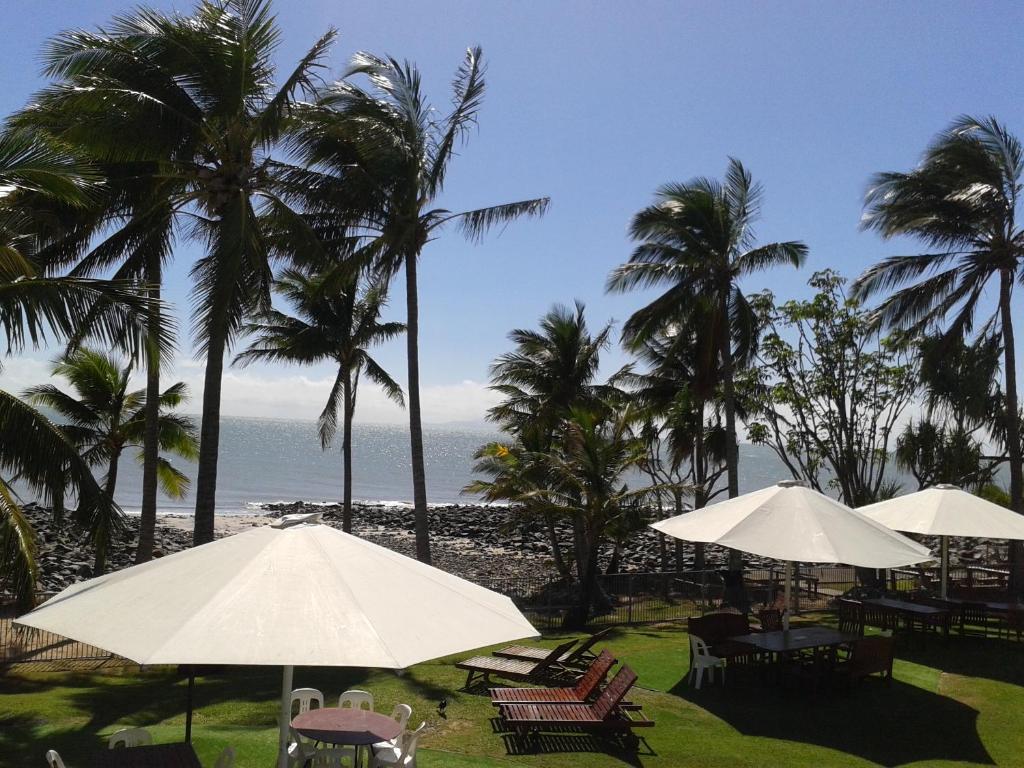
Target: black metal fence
[{"x": 642, "y": 598}]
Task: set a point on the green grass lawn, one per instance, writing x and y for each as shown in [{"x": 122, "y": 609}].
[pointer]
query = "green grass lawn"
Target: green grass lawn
[{"x": 952, "y": 703}]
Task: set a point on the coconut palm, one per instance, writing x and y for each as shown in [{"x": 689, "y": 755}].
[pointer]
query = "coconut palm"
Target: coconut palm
[
  {"x": 962, "y": 202},
  {"x": 32, "y": 306},
  {"x": 548, "y": 372},
  {"x": 696, "y": 242},
  {"x": 339, "y": 326},
  {"x": 102, "y": 418},
  {"x": 390, "y": 151},
  {"x": 189, "y": 103}
]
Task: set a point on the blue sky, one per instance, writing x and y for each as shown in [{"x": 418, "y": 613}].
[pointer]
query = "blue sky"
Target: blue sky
[{"x": 595, "y": 105}]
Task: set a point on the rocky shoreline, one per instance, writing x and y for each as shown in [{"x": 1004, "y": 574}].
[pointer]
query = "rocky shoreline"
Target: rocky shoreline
[{"x": 477, "y": 542}]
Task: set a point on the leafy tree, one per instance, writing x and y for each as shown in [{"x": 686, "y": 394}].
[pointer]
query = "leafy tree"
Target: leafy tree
[
  {"x": 961, "y": 202},
  {"x": 583, "y": 473},
  {"x": 385, "y": 154},
  {"x": 188, "y": 103},
  {"x": 102, "y": 418},
  {"x": 936, "y": 454},
  {"x": 830, "y": 398},
  {"x": 340, "y": 326},
  {"x": 697, "y": 242}
]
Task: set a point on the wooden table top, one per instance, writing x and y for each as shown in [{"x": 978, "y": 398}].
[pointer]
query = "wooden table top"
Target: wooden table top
[
  {"x": 335, "y": 725},
  {"x": 903, "y": 606},
  {"x": 797, "y": 639},
  {"x": 180, "y": 755}
]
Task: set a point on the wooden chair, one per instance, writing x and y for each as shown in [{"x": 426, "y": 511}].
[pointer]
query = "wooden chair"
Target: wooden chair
[
  {"x": 580, "y": 656},
  {"x": 480, "y": 668},
  {"x": 607, "y": 713},
  {"x": 974, "y": 619},
  {"x": 876, "y": 616},
  {"x": 586, "y": 687},
  {"x": 851, "y": 617},
  {"x": 1014, "y": 622},
  {"x": 871, "y": 655},
  {"x": 771, "y": 619}
]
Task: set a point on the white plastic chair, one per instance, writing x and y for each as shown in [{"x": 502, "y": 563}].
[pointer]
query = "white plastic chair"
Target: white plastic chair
[
  {"x": 356, "y": 699},
  {"x": 400, "y": 714},
  {"x": 331, "y": 758},
  {"x": 306, "y": 697},
  {"x": 299, "y": 750},
  {"x": 703, "y": 660},
  {"x": 226, "y": 759},
  {"x": 53, "y": 760},
  {"x": 130, "y": 737},
  {"x": 403, "y": 755}
]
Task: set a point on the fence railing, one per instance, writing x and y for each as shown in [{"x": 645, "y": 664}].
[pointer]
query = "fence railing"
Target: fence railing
[{"x": 642, "y": 598}]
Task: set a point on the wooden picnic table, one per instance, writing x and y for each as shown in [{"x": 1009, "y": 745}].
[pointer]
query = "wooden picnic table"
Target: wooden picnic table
[
  {"x": 179, "y": 755},
  {"x": 912, "y": 613}
]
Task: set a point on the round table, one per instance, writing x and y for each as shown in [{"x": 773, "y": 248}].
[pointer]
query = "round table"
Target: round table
[{"x": 348, "y": 726}]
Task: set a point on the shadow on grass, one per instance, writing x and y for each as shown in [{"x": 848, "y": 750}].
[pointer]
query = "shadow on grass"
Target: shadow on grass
[
  {"x": 572, "y": 741},
  {"x": 888, "y": 725},
  {"x": 990, "y": 658}
]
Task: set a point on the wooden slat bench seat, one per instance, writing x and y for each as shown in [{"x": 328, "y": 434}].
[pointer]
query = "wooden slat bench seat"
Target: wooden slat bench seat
[{"x": 583, "y": 691}]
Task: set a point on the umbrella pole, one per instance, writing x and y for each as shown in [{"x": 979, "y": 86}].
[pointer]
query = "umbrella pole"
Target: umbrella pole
[
  {"x": 286, "y": 716},
  {"x": 944, "y": 573},
  {"x": 188, "y": 710},
  {"x": 788, "y": 578}
]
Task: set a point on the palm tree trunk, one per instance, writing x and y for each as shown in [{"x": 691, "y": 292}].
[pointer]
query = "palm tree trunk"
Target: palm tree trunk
[
  {"x": 346, "y": 451},
  {"x": 1012, "y": 421},
  {"x": 556, "y": 547},
  {"x": 732, "y": 449},
  {"x": 209, "y": 439},
  {"x": 419, "y": 475},
  {"x": 102, "y": 540},
  {"x": 151, "y": 436}
]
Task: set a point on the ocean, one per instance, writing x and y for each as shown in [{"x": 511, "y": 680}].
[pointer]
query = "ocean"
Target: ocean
[{"x": 268, "y": 460}]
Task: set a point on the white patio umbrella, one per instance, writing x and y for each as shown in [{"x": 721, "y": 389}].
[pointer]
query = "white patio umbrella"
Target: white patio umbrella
[
  {"x": 292, "y": 594},
  {"x": 944, "y": 511},
  {"x": 789, "y": 521}
]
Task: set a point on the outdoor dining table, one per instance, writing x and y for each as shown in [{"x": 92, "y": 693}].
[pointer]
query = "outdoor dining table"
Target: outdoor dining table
[
  {"x": 911, "y": 613},
  {"x": 784, "y": 642},
  {"x": 346, "y": 726},
  {"x": 178, "y": 755},
  {"x": 996, "y": 606}
]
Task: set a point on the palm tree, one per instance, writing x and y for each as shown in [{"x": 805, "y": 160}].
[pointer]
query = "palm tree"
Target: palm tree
[
  {"x": 32, "y": 449},
  {"x": 188, "y": 103},
  {"x": 386, "y": 154},
  {"x": 697, "y": 242},
  {"x": 338, "y": 326},
  {"x": 549, "y": 372},
  {"x": 962, "y": 202},
  {"x": 103, "y": 417}
]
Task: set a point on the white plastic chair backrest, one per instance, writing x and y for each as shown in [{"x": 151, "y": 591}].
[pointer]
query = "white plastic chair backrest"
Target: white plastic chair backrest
[
  {"x": 130, "y": 737},
  {"x": 226, "y": 759},
  {"x": 53, "y": 760},
  {"x": 700, "y": 648},
  {"x": 401, "y": 714},
  {"x": 356, "y": 699},
  {"x": 409, "y": 739},
  {"x": 329, "y": 758},
  {"x": 306, "y": 697}
]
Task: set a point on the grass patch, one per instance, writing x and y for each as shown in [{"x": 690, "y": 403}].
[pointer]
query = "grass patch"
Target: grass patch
[{"x": 957, "y": 702}]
